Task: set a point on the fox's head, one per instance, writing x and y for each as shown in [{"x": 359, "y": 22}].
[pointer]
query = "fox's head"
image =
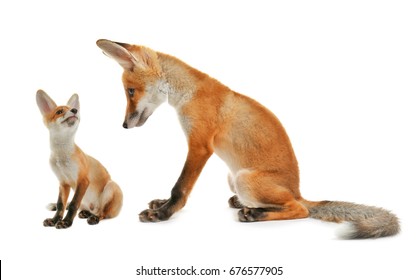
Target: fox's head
[
  {"x": 141, "y": 78},
  {"x": 59, "y": 119}
]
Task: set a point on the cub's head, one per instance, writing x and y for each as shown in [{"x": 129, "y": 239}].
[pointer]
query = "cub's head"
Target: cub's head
[
  {"x": 59, "y": 119},
  {"x": 141, "y": 78}
]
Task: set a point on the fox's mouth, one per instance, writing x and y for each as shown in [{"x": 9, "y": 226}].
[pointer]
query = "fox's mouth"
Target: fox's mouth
[
  {"x": 143, "y": 117},
  {"x": 137, "y": 119},
  {"x": 70, "y": 120}
]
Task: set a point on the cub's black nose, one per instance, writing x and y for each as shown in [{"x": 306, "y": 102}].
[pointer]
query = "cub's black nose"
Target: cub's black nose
[
  {"x": 125, "y": 124},
  {"x": 74, "y": 111}
]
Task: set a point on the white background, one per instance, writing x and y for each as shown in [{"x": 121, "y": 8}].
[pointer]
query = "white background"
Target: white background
[{"x": 340, "y": 75}]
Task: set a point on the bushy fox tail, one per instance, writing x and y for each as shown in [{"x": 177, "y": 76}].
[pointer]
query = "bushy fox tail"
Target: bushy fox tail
[
  {"x": 361, "y": 221},
  {"x": 51, "y": 207}
]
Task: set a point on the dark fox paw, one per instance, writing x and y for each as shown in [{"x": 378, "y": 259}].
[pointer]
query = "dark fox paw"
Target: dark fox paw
[
  {"x": 152, "y": 216},
  {"x": 93, "y": 220},
  {"x": 49, "y": 223},
  {"x": 157, "y": 203},
  {"x": 84, "y": 214},
  {"x": 250, "y": 214},
  {"x": 235, "y": 203},
  {"x": 63, "y": 224}
]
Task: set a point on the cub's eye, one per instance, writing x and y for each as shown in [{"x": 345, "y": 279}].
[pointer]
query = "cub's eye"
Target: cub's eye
[
  {"x": 131, "y": 91},
  {"x": 59, "y": 112}
]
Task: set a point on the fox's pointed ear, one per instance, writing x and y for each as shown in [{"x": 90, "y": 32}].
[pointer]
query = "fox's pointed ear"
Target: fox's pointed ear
[
  {"x": 130, "y": 56},
  {"x": 74, "y": 102},
  {"x": 118, "y": 52},
  {"x": 45, "y": 103}
]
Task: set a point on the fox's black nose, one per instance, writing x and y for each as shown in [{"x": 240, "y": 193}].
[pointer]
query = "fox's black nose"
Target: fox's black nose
[
  {"x": 125, "y": 124},
  {"x": 74, "y": 111}
]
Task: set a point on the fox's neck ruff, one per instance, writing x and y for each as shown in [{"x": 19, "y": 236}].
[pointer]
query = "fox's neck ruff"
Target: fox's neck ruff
[{"x": 176, "y": 82}]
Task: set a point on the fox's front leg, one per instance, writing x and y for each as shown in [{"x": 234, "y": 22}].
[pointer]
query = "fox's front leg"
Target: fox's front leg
[
  {"x": 82, "y": 186},
  {"x": 161, "y": 210},
  {"x": 64, "y": 191}
]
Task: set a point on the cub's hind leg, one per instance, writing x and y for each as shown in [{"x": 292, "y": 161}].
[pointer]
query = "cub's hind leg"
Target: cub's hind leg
[
  {"x": 84, "y": 214},
  {"x": 111, "y": 200},
  {"x": 91, "y": 218}
]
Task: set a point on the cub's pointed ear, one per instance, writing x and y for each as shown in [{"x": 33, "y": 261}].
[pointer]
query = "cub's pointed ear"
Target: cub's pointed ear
[
  {"x": 74, "y": 102},
  {"x": 119, "y": 52},
  {"x": 45, "y": 103}
]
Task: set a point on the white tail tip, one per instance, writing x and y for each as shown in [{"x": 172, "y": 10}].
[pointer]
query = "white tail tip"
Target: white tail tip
[
  {"x": 346, "y": 230},
  {"x": 51, "y": 206}
]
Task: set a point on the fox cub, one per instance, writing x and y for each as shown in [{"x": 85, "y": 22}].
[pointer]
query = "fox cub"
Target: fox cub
[
  {"x": 95, "y": 194},
  {"x": 264, "y": 175}
]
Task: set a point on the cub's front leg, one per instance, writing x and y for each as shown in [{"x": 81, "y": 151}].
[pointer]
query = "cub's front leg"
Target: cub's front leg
[
  {"x": 64, "y": 191},
  {"x": 74, "y": 205}
]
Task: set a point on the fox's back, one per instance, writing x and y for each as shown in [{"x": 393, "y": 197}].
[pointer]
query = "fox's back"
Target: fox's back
[
  {"x": 97, "y": 174},
  {"x": 253, "y": 136}
]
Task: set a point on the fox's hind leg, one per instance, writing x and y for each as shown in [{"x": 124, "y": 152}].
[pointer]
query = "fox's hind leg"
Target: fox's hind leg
[
  {"x": 91, "y": 218},
  {"x": 234, "y": 200},
  {"x": 293, "y": 210},
  {"x": 235, "y": 203},
  {"x": 111, "y": 200},
  {"x": 84, "y": 214},
  {"x": 264, "y": 198}
]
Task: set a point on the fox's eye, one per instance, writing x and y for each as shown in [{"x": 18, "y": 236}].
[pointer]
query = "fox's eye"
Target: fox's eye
[
  {"x": 59, "y": 112},
  {"x": 131, "y": 91}
]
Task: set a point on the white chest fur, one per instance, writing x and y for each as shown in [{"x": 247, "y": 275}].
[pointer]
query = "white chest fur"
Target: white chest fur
[{"x": 64, "y": 167}]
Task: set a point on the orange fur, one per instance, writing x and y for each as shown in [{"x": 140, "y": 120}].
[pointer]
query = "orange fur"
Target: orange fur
[
  {"x": 264, "y": 172},
  {"x": 95, "y": 194}
]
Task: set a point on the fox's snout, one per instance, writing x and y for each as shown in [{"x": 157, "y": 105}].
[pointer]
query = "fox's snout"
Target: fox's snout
[
  {"x": 128, "y": 118},
  {"x": 137, "y": 118}
]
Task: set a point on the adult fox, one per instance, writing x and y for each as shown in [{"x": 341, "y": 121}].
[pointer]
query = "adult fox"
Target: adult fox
[{"x": 264, "y": 172}]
